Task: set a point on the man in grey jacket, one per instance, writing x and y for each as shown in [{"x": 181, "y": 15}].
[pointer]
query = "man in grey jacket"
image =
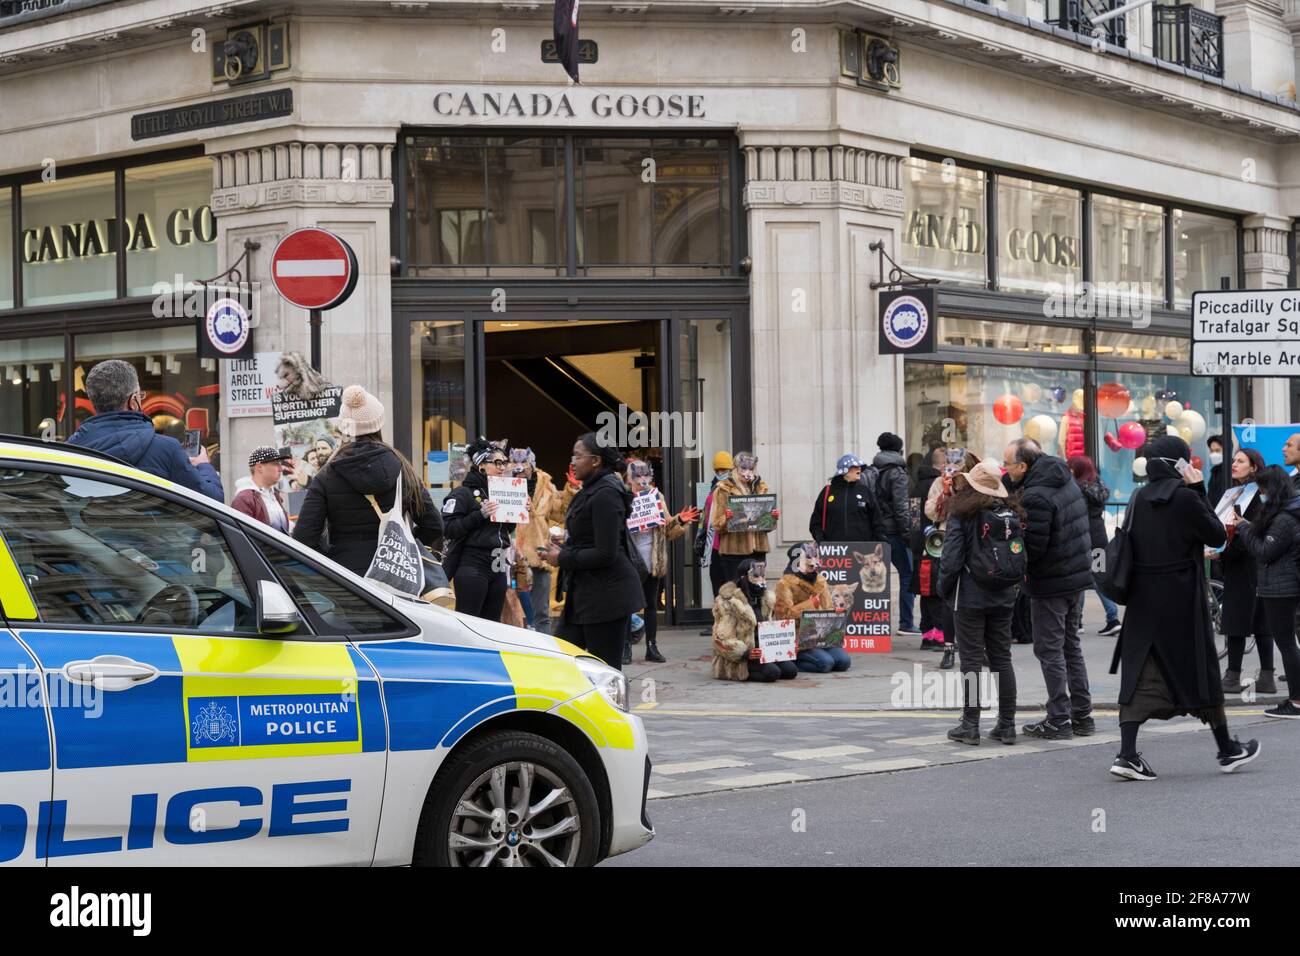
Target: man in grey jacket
[{"x": 896, "y": 515}]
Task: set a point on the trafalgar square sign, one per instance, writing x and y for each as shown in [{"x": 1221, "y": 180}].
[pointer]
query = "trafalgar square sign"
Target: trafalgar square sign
[{"x": 1246, "y": 332}]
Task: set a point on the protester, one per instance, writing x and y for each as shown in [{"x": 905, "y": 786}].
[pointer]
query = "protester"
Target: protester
[
  {"x": 981, "y": 612},
  {"x": 1218, "y": 481},
  {"x": 304, "y": 471},
  {"x": 1058, "y": 545},
  {"x": 602, "y": 589},
  {"x": 336, "y": 502},
  {"x": 735, "y": 546},
  {"x": 477, "y": 547},
  {"x": 1095, "y": 496},
  {"x": 938, "y": 494},
  {"x": 120, "y": 428},
  {"x": 651, "y": 546},
  {"x": 925, "y": 569},
  {"x": 804, "y": 588},
  {"x": 262, "y": 502},
  {"x": 1241, "y": 611},
  {"x": 737, "y": 609},
  {"x": 324, "y": 451},
  {"x": 1273, "y": 539},
  {"x": 890, "y": 485},
  {"x": 846, "y": 508},
  {"x": 546, "y": 511},
  {"x": 1166, "y": 653}
]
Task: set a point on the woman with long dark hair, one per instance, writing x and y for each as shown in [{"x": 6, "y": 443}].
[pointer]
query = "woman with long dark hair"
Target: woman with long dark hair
[
  {"x": 1242, "y": 611},
  {"x": 1166, "y": 654},
  {"x": 602, "y": 586},
  {"x": 337, "y": 498},
  {"x": 476, "y": 543},
  {"x": 1274, "y": 540},
  {"x": 1095, "y": 495}
]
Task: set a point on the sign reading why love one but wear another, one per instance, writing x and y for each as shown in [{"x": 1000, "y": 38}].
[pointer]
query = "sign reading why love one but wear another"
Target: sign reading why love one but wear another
[
  {"x": 511, "y": 496},
  {"x": 858, "y": 574},
  {"x": 776, "y": 641},
  {"x": 645, "y": 512}
]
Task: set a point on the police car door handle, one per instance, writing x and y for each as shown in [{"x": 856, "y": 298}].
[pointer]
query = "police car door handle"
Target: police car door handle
[{"x": 110, "y": 672}]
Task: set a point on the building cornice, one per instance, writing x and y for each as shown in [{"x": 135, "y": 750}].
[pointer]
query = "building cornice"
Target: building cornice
[{"x": 295, "y": 174}]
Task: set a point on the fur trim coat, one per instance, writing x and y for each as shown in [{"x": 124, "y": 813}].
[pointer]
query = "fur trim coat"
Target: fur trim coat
[
  {"x": 794, "y": 595},
  {"x": 735, "y": 631},
  {"x": 736, "y": 542},
  {"x": 660, "y": 536}
]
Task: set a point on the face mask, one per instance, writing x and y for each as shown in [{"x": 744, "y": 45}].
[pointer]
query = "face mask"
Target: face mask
[
  {"x": 1216, "y": 458},
  {"x": 721, "y": 474}
]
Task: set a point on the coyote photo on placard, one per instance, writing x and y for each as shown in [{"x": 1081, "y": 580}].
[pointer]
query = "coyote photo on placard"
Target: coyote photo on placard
[{"x": 872, "y": 574}]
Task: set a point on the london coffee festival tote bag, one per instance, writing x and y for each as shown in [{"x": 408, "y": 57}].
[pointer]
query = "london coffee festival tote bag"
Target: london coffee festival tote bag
[{"x": 396, "y": 564}]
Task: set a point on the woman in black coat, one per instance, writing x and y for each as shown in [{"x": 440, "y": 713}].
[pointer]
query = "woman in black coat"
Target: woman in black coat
[
  {"x": 336, "y": 504},
  {"x": 476, "y": 544},
  {"x": 602, "y": 586},
  {"x": 1242, "y": 612},
  {"x": 1166, "y": 646},
  {"x": 1095, "y": 496},
  {"x": 1274, "y": 541}
]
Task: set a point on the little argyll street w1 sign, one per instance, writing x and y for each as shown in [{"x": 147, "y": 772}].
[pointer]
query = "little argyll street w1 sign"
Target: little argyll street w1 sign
[{"x": 1246, "y": 332}]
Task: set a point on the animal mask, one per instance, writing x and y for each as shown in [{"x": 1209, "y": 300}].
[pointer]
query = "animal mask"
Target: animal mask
[
  {"x": 642, "y": 475},
  {"x": 746, "y": 466}
]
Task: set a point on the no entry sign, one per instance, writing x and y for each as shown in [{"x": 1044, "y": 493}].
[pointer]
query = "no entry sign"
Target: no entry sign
[{"x": 313, "y": 269}]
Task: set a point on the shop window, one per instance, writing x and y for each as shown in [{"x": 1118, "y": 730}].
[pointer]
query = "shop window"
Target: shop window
[
  {"x": 1133, "y": 409},
  {"x": 31, "y": 391},
  {"x": 181, "y": 390},
  {"x": 944, "y": 223},
  {"x": 169, "y": 212},
  {"x": 6, "y": 248},
  {"x": 1128, "y": 248},
  {"x": 983, "y": 407},
  {"x": 70, "y": 236},
  {"x": 1205, "y": 255},
  {"x": 1040, "y": 230},
  {"x": 1009, "y": 336},
  {"x": 438, "y": 402},
  {"x": 1132, "y": 345}
]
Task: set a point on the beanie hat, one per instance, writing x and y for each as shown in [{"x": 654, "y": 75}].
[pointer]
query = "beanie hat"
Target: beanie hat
[
  {"x": 846, "y": 462},
  {"x": 888, "y": 441},
  {"x": 361, "y": 414},
  {"x": 722, "y": 461}
]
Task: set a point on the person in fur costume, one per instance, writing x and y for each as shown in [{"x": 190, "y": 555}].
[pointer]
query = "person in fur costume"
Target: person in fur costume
[
  {"x": 737, "y": 609},
  {"x": 804, "y": 588}
]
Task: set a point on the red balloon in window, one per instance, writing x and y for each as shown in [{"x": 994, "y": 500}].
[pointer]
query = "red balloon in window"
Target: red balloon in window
[
  {"x": 1008, "y": 408},
  {"x": 1112, "y": 400}
]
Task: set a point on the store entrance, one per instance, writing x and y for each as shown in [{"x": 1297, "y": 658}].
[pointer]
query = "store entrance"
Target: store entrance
[{"x": 547, "y": 382}]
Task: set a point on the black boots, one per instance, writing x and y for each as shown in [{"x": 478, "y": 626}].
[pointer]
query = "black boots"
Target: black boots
[
  {"x": 652, "y": 652},
  {"x": 1005, "y": 730},
  {"x": 949, "y": 652},
  {"x": 627, "y": 653},
  {"x": 1266, "y": 682},
  {"x": 968, "y": 731},
  {"x": 1232, "y": 682}
]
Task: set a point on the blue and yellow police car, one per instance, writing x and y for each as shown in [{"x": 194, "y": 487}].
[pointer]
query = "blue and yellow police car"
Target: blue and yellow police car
[{"x": 181, "y": 685}]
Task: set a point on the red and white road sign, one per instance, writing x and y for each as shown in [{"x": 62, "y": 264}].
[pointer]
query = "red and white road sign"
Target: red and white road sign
[{"x": 313, "y": 269}]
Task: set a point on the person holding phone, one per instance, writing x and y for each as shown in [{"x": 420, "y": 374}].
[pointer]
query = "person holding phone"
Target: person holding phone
[
  {"x": 262, "y": 502},
  {"x": 1242, "y": 611},
  {"x": 477, "y": 546}
]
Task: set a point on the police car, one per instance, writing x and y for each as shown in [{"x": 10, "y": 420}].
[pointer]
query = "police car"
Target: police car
[{"x": 181, "y": 685}]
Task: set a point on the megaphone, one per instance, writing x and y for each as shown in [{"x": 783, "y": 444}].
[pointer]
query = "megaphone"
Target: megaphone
[{"x": 933, "y": 542}]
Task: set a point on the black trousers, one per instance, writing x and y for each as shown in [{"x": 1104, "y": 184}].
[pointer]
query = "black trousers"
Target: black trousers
[
  {"x": 480, "y": 591},
  {"x": 604, "y": 639},
  {"x": 777, "y": 670},
  {"x": 717, "y": 573},
  {"x": 1280, "y": 615},
  {"x": 986, "y": 634},
  {"x": 650, "y": 587}
]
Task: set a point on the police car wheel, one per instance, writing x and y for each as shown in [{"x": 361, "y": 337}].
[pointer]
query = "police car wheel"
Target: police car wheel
[{"x": 510, "y": 799}]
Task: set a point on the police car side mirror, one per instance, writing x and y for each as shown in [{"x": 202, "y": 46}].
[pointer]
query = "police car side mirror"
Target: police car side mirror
[{"x": 276, "y": 612}]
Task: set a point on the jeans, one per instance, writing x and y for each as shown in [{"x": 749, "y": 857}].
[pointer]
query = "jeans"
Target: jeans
[
  {"x": 900, "y": 555},
  {"x": 1107, "y": 605},
  {"x": 1280, "y": 614},
  {"x": 1060, "y": 655},
  {"x": 525, "y": 604},
  {"x": 822, "y": 660},
  {"x": 985, "y": 634},
  {"x": 541, "y": 595}
]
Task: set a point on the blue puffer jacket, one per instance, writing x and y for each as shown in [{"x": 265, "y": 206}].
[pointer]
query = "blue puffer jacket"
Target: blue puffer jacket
[{"x": 130, "y": 437}]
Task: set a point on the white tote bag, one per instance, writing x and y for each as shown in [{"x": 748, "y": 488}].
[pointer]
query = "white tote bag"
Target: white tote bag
[{"x": 396, "y": 564}]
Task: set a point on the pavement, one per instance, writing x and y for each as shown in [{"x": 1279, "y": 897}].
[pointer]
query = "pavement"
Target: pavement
[{"x": 889, "y": 712}]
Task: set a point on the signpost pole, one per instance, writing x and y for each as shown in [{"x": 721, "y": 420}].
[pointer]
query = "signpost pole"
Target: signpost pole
[{"x": 315, "y": 338}]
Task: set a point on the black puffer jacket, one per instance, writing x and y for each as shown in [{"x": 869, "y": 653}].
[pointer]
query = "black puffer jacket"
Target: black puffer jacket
[
  {"x": 336, "y": 501},
  {"x": 1095, "y": 496},
  {"x": 956, "y": 586},
  {"x": 891, "y": 492},
  {"x": 846, "y": 512},
  {"x": 1276, "y": 552},
  {"x": 471, "y": 534},
  {"x": 1057, "y": 537},
  {"x": 601, "y": 582}
]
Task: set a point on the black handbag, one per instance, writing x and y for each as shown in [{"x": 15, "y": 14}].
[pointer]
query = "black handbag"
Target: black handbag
[{"x": 1115, "y": 577}]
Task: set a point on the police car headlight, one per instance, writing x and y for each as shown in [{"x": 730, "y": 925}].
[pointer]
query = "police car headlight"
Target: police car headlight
[{"x": 604, "y": 678}]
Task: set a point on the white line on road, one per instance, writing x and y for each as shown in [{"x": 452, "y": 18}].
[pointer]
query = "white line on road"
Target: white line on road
[
  {"x": 816, "y": 753},
  {"x": 692, "y": 766},
  {"x": 759, "y": 779},
  {"x": 881, "y": 766}
]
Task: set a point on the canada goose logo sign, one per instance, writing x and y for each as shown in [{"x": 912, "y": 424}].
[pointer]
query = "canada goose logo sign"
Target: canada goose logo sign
[{"x": 906, "y": 323}]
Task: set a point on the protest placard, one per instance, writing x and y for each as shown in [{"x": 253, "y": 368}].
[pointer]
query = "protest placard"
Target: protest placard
[
  {"x": 751, "y": 513},
  {"x": 645, "y": 512},
  {"x": 776, "y": 641},
  {"x": 821, "y": 629},
  {"x": 511, "y": 496},
  {"x": 858, "y": 573}
]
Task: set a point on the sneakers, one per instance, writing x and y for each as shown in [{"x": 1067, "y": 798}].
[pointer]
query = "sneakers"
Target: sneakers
[
  {"x": 1285, "y": 710},
  {"x": 1111, "y": 628},
  {"x": 967, "y": 732},
  {"x": 1245, "y": 754},
  {"x": 1005, "y": 731},
  {"x": 932, "y": 640},
  {"x": 909, "y": 629},
  {"x": 1083, "y": 726},
  {"x": 1132, "y": 768},
  {"x": 1265, "y": 682},
  {"x": 1048, "y": 730}
]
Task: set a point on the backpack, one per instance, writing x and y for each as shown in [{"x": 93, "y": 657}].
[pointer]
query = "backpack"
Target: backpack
[{"x": 996, "y": 559}]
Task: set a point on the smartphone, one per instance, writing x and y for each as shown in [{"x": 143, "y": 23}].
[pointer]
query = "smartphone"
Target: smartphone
[
  {"x": 1182, "y": 466},
  {"x": 541, "y": 550},
  {"x": 192, "y": 442}
]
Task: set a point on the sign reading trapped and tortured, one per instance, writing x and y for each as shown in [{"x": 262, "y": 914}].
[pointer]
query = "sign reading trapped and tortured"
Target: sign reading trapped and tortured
[
  {"x": 511, "y": 496},
  {"x": 776, "y": 641},
  {"x": 858, "y": 573},
  {"x": 1246, "y": 332},
  {"x": 821, "y": 629},
  {"x": 751, "y": 513},
  {"x": 645, "y": 512}
]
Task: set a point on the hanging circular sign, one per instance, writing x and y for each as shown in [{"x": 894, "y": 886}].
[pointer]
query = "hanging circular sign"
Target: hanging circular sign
[
  {"x": 905, "y": 321},
  {"x": 226, "y": 326}
]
